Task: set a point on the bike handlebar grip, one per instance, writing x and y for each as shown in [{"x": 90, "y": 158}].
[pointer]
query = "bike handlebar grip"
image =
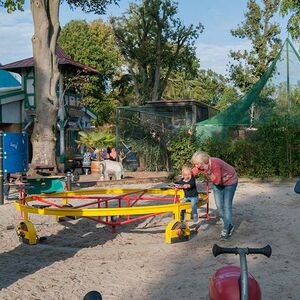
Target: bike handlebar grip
[
  {"x": 217, "y": 250},
  {"x": 266, "y": 251}
]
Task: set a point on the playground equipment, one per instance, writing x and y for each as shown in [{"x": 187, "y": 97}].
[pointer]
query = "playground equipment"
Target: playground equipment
[
  {"x": 233, "y": 283},
  {"x": 112, "y": 207}
]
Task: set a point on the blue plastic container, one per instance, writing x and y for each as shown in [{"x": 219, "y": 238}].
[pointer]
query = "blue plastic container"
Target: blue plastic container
[{"x": 15, "y": 152}]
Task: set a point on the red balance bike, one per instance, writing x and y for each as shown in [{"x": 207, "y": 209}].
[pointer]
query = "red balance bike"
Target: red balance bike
[{"x": 234, "y": 283}]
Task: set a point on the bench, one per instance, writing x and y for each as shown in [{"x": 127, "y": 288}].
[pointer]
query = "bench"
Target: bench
[
  {"x": 76, "y": 163},
  {"x": 41, "y": 169}
]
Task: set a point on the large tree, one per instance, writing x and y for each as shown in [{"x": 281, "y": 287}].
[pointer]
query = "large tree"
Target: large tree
[
  {"x": 45, "y": 15},
  {"x": 263, "y": 34},
  {"x": 94, "y": 44},
  {"x": 154, "y": 43},
  {"x": 206, "y": 86}
]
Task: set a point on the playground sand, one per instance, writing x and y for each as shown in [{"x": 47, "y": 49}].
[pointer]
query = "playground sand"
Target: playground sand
[{"x": 135, "y": 263}]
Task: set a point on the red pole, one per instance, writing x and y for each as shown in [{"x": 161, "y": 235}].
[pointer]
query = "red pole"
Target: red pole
[
  {"x": 138, "y": 198},
  {"x": 106, "y": 205},
  {"x": 128, "y": 205},
  {"x": 138, "y": 219},
  {"x": 176, "y": 198},
  {"x": 99, "y": 206}
]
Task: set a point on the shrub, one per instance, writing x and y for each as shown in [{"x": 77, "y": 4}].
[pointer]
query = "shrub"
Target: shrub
[
  {"x": 268, "y": 152},
  {"x": 181, "y": 148},
  {"x": 272, "y": 150}
]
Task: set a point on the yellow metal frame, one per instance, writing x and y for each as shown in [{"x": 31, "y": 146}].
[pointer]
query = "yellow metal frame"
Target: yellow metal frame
[
  {"x": 27, "y": 233},
  {"x": 102, "y": 212},
  {"x": 119, "y": 191},
  {"x": 177, "y": 232},
  {"x": 175, "y": 208}
]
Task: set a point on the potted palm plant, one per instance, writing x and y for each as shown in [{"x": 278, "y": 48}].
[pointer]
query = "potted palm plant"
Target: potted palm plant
[{"x": 94, "y": 141}]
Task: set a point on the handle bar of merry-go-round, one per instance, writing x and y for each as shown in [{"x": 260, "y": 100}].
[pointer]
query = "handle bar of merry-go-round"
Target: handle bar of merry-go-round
[{"x": 266, "y": 251}]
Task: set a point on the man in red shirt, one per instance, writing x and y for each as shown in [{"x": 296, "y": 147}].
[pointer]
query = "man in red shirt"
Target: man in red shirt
[{"x": 225, "y": 181}]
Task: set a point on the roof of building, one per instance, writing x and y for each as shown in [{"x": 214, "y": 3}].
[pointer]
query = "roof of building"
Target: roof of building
[
  {"x": 179, "y": 102},
  {"x": 63, "y": 60},
  {"x": 8, "y": 81}
]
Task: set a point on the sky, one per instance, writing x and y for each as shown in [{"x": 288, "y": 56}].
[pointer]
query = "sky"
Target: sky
[{"x": 213, "y": 45}]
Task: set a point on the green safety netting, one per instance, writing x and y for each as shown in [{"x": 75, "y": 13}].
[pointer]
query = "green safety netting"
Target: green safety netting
[{"x": 276, "y": 92}]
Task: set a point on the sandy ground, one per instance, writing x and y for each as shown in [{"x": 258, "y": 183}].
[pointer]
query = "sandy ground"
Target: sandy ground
[{"x": 135, "y": 263}]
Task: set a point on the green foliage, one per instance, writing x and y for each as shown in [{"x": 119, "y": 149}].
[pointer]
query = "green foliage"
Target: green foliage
[
  {"x": 228, "y": 97},
  {"x": 123, "y": 89},
  {"x": 292, "y": 8},
  {"x": 104, "y": 109},
  {"x": 206, "y": 86},
  {"x": 96, "y": 6},
  {"x": 93, "y": 44},
  {"x": 271, "y": 150},
  {"x": 96, "y": 139},
  {"x": 181, "y": 148},
  {"x": 249, "y": 65},
  {"x": 155, "y": 43},
  {"x": 150, "y": 153},
  {"x": 12, "y": 5}
]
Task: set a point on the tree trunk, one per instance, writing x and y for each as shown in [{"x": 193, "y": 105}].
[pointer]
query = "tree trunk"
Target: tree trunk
[
  {"x": 155, "y": 94},
  {"x": 46, "y": 29}
]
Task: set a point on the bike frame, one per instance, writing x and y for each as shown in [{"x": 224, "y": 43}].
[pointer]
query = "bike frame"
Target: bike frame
[
  {"x": 242, "y": 252},
  {"x": 244, "y": 273}
]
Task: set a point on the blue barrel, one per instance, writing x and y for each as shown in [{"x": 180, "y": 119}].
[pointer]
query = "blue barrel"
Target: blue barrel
[{"x": 15, "y": 152}]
